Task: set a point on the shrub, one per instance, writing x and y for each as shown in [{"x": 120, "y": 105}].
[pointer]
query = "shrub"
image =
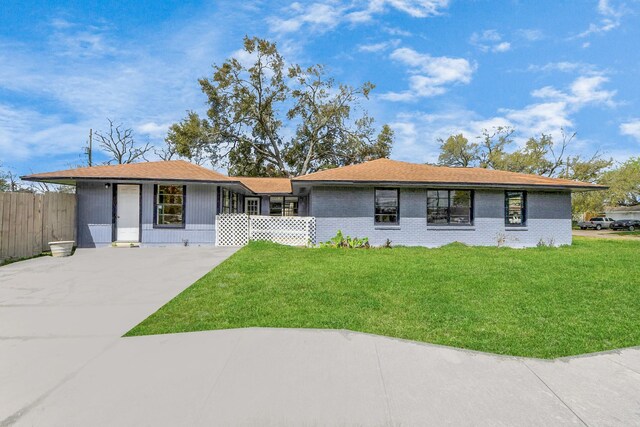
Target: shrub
[{"x": 342, "y": 241}]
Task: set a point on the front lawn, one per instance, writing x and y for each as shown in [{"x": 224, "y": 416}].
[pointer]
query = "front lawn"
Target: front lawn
[{"x": 539, "y": 302}]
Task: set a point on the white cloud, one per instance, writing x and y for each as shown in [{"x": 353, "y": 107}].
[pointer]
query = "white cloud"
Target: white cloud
[
  {"x": 418, "y": 8},
  {"x": 489, "y": 41},
  {"x": 502, "y": 47},
  {"x": 417, "y": 133},
  {"x": 535, "y": 119},
  {"x": 325, "y": 16},
  {"x": 378, "y": 47},
  {"x": 394, "y": 31},
  {"x": 631, "y": 128},
  {"x": 153, "y": 129},
  {"x": 431, "y": 75},
  {"x": 610, "y": 18},
  {"x": 563, "y": 66},
  {"x": 530, "y": 34},
  {"x": 151, "y": 81},
  {"x": 582, "y": 91}
]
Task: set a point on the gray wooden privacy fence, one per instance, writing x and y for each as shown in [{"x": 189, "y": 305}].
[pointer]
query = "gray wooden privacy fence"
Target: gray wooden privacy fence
[{"x": 28, "y": 222}]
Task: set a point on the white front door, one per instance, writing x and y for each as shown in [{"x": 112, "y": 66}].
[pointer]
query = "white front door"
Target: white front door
[
  {"x": 252, "y": 205},
  {"x": 128, "y": 213}
]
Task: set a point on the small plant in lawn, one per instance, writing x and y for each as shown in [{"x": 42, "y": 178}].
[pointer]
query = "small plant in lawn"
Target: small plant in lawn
[{"x": 342, "y": 241}]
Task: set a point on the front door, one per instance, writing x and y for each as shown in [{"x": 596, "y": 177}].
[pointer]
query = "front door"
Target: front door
[
  {"x": 252, "y": 205},
  {"x": 128, "y": 213}
]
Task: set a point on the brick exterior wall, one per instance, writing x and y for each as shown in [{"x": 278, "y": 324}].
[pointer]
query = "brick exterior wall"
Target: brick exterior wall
[{"x": 350, "y": 209}]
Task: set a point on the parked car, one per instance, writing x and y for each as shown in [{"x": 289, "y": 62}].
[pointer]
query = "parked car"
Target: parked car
[
  {"x": 625, "y": 224},
  {"x": 598, "y": 223}
]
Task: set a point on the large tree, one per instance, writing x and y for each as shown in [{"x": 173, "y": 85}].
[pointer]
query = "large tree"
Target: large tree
[
  {"x": 270, "y": 118},
  {"x": 624, "y": 189}
]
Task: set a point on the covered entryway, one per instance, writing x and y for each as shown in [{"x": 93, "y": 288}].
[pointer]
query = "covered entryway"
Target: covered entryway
[{"x": 127, "y": 213}]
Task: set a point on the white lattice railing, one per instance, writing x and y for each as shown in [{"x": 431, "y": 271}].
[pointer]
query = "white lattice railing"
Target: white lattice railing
[
  {"x": 286, "y": 230},
  {"x": 238, "y": 229},
  {"x": 232, "y": 229}
]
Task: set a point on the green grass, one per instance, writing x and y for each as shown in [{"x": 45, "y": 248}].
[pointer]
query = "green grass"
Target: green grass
[
  {"x": 13, "y": 260},
  {"x": 539, "y": 302}
]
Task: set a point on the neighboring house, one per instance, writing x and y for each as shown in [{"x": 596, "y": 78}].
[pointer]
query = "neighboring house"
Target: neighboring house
[
  {"x": 176, "y": 202},
  {"x": 623, "y": 212}
]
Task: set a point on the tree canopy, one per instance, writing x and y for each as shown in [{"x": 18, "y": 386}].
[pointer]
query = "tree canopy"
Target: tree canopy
[
  {"x": 544, "y": 156},
  {"x": 539, "y": 155},
  {"x": 268, "y": 118}
]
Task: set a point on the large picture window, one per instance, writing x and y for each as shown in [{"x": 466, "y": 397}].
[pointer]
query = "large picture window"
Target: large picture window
[
  {"x": 169, "y": 205},
  {"x": 283, "y": 206},
  {"x": 387, "y": 206},
  {"x": 515, "y": 211},
  {"x": 449, "y": 207}
]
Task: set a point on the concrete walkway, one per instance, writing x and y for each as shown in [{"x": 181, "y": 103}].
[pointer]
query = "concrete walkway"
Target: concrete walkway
[{"x": 73, "y": 370}]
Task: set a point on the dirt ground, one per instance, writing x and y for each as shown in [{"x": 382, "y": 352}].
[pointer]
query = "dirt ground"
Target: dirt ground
[{"x": 604, "y": 234}]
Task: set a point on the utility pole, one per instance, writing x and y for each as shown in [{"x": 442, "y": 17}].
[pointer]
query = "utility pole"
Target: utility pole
[{"x": 89, "y": 148}]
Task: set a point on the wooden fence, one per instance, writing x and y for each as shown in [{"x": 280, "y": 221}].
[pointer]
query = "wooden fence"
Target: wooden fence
[{"x": 28, "y": 222}]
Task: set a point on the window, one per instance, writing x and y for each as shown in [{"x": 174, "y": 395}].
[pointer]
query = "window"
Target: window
[
  {"x": 515, "y": 208},
  {"x": 229, "y": 202},
  {"x": 386, "y": 206},
  {"x": 252, "y": 205},
  {"x": 170, "y": 205},
  {"x": 234, "y": 203},
  {"x": 226, "y": 201},
  {"x": 283, "y": 206},
  {"x": 449, "y": 207}
]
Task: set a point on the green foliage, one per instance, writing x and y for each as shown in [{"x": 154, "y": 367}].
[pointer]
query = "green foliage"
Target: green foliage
[
  {"x": 536, "y": 302},
  {"x": 457, "y": 151},
  {"x": 4, "y": 182},
  {"x": 252, "y": 107},
  {"x": 539, "y": 155},
  {"x": 341, "y": 241},
  {"x": 624, "y": 189},
  {"x": 624, "y": 184}
]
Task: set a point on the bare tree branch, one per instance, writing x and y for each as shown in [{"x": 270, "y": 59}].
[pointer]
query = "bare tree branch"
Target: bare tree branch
[{"x": 119, "y": 144}]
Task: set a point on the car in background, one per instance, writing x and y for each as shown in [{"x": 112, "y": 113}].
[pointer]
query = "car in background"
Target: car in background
[
  {"x": 625, "y": 224},
  {"x": 598, "y": 223}
]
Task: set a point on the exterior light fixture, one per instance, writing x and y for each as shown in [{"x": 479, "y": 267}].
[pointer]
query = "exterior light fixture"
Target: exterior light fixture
[{"x": 107, "y": 185}]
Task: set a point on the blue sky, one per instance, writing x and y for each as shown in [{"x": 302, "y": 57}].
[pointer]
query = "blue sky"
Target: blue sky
[{"x": 440, "y": 67}]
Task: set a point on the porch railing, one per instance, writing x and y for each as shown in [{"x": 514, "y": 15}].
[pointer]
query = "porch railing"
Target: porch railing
[{"x": 238, "y": 229}]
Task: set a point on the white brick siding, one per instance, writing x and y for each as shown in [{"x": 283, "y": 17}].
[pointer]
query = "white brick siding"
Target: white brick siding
[{"x": 548, "y": 219}]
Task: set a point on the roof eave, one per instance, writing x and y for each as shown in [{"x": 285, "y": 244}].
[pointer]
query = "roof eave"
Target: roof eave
[
  {"x": 73, "y": 180},
  {"x": 298, "y": 183}
]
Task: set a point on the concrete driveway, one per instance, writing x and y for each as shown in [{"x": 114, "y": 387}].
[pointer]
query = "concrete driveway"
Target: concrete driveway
[
  {"x": 63, "y": 363},
  {"x": 59, "y": 314}
]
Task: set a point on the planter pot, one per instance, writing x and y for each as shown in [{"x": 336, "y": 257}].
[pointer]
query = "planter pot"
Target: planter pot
[{"x": 62, "y": 248}]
